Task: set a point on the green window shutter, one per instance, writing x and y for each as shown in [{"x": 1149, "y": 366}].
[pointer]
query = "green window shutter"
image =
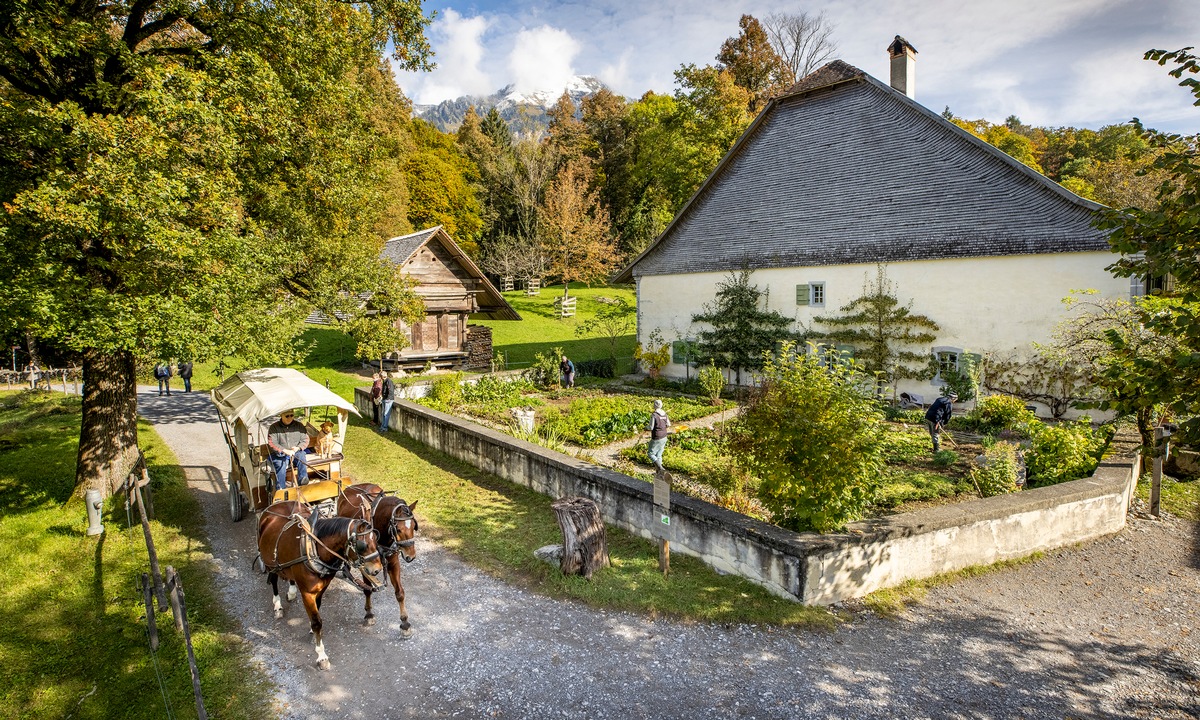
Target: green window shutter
[{"x": 801, "y": 294}]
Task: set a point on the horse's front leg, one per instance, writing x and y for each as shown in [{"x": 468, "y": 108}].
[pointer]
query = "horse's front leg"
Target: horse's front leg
[
  {"x": 291, "y": 593},
  {"x": 393, "y": 571},
  {"x": 312, "y": 605},
  {"x": 368, "y": 614},
  {"x": 274, "y": 580}
]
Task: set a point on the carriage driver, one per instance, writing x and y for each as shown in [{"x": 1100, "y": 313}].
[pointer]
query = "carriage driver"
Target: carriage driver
[{"x": 287, "y": 439}]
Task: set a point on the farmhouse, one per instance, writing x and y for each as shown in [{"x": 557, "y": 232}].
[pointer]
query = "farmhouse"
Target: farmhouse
[
  {"x": 453, "y": 289},
  {"x": 842, "y": 172}
]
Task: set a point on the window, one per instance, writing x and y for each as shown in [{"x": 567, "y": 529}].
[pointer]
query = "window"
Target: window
[
  {"x": 683, "y": 351},
  {"x": 947, "y": 362},
  {"x": 812, "y": 294}
]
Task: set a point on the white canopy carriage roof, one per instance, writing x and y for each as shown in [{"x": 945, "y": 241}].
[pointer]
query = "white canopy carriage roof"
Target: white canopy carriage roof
[{"x": 254, "y": 395}]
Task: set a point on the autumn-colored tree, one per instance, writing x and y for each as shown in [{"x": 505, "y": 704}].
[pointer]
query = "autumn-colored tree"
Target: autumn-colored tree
[
  {"x": 575, "y": 228},
  {"x": 188, "y": 177},
  {"x": 567, "y": 132},
  {"x": 754, "y": 64},
  {"x": 439, "y": 186}
]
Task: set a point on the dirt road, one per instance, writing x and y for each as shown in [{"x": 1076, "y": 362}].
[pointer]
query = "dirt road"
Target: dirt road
[{"x": 1107, "y": 630}]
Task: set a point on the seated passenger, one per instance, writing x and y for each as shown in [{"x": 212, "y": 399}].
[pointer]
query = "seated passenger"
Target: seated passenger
[{"x": 286, "y": 440}]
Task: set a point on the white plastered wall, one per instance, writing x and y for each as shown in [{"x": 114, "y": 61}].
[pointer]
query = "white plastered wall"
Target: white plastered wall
[{"x": 992, "y": 304}]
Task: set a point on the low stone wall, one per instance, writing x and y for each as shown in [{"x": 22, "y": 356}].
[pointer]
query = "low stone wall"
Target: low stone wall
[{"x": 811, "y": 568}]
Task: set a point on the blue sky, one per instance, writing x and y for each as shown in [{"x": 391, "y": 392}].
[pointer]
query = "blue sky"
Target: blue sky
[{"x": 1050, "y": 62}]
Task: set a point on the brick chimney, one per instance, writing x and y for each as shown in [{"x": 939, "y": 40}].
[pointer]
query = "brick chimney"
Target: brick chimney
[{"x": 904, "y": 66}]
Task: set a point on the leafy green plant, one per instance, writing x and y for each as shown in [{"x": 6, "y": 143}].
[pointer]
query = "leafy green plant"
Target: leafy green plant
[
  {"x": 998, "y": 474},
  {"x": 601, "y": 368},
  {"x": 814, "y": 437},
  {"x": 655, "y": 355},
  {"x": 1002, "y": 412},
  {"x": 895, "y": 413},
  {"x": 544, "y": 371},
  {"x": 903, "y": 446},
  {"x": 446, "y": 393},
  {"x": 1062, "y": 452},
  {"x": 712, "y": 381},
  {"x": 944, "y": 458}
]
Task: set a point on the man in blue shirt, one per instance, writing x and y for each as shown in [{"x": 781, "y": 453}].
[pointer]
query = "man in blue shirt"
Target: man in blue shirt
[{"x": 938, "y": 415}]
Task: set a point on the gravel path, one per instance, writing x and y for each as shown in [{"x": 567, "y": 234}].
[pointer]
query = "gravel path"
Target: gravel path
[{"x": 1110, "y": 629}]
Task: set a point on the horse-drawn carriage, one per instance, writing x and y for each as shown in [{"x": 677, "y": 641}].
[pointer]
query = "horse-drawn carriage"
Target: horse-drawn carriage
[
  {"x": 308, "y": 534},
  {"x": 247, "y": 403}
]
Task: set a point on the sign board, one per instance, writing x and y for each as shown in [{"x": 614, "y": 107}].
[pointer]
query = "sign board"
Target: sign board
[
  {"x": 661, "y": 527},
  {"x": 662, "y": 492}
]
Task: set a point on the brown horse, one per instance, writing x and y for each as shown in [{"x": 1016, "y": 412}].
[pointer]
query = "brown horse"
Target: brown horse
[
  {"x": 309, "y": 551},
  {"x": 395, "y": 526}
]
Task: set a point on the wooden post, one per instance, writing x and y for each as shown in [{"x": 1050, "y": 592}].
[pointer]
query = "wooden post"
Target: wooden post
[
  {"x": 181, "y": 620},
  {"x": 148, "y": 597},
  {"x": 662, "y": 526},
  {"x": 158, "y": 582},
  {"x": 1156, "y": 478},
  {"x": 585, "y": 549},
  {"x": 172, "y": 582}
]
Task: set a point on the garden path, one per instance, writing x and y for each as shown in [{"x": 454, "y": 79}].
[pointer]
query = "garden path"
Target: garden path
[{"x": 1110, "y": 629}]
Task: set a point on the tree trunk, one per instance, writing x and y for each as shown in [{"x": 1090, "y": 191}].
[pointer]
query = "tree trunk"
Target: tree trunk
[
  {"x": 1145, "y": 426},
  {"x": 108, "y": 430},
  {"x": 35, "y": 357},
  {"x": 585, "y": 549}
]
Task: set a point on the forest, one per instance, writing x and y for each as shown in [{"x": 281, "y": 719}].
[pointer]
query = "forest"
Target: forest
[{"x": 604, "y": 179}]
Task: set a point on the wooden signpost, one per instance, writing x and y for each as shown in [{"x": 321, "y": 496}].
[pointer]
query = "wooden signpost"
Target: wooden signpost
[
  {"x": 1162, "y": 443},
  {"x": 662, "y": 512}
]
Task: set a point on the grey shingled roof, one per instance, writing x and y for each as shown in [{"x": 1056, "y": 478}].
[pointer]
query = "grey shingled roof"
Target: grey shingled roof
[
  {"x": 841, "y": 168},
  {"x": 400, "y": 249}
]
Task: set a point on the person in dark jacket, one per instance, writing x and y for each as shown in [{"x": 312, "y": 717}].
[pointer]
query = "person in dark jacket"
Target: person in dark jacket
[
  {"x": 938, "y": 415},
  {"x": 162, "y": 373},
  {"x": 185, "y": 372},
  {"x": 388, "y": 397},
  {"x": 659, "y": 427},
  {"x": 566, "y": 368}
]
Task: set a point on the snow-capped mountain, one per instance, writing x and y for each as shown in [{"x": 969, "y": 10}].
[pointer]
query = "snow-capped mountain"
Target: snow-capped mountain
[{"x": 522, "y": 111}]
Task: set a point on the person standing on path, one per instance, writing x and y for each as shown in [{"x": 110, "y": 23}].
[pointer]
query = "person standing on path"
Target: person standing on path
[
  {"x": 938, "y": 415},
  {"x": 376, "y": 396},
  {"x": 185, "y": 372},
  {"x": 566, "y": 368},
  {"x": 388, "y": 397},
  {"x": 659, "y": 426},
  {"x": 162, "y": 373},
  {"x": 286, "y": 440}
]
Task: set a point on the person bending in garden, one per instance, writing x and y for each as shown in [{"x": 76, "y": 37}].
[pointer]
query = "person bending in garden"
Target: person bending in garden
[
  {"x": 938, "y": 415},
  {"x": 658, "y": 426},
  {"x": 567, "y": 369},
  {"x": 286, "y": 440}
]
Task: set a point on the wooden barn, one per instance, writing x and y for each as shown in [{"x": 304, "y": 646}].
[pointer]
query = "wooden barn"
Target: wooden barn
[{"x": 453, "y": 289}]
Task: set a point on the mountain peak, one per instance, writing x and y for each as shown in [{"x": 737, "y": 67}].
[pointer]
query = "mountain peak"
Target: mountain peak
[{"x": 514, "y": 106}]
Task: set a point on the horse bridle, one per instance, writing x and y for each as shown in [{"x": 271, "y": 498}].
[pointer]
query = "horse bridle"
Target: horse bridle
[{"x": 396, "y": 545}]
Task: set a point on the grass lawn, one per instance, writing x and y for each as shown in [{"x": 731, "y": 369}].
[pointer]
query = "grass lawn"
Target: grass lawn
[
  {"x": 496, "y": 525},
  {"x": 74, "y": 641},
  {"x": 540, "y": 329},
  {"x": 1178, "y": 497}
]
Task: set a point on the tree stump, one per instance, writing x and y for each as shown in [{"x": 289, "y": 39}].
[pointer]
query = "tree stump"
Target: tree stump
[{"x": 585, "y": 549}]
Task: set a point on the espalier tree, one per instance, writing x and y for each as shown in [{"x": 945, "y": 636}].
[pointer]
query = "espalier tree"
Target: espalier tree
[
  {"x": 190, "y": 179},
  {"x": 884, "y": 333},
  {"x": 739, "y": 333}
]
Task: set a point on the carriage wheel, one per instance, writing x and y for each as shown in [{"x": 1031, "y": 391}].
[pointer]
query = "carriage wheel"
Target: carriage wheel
[{"x": 237, "y": 503}]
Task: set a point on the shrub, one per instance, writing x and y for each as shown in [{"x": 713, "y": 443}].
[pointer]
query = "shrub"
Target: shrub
[
  {"x": 813, "y": 435},
  {"x": 944, "y": 458},
  {"x": 544, "y": 371},
  {"x": 1002, "y": 412},
  {"x": 446, "y": 393},
  {"x": 655, "y": 355},
  {"x": 903, "y": 446},
  {"x": 897, "y": 414},
  {"x": 998, "y": 474},
  {"x": 602, "y": 368},
  {"x": 712, "y": 381},
  {"x": 1062, "y": 452}
]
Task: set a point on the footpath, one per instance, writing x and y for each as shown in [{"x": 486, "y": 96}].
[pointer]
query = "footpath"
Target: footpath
[{"x": 1110, "y": 629}]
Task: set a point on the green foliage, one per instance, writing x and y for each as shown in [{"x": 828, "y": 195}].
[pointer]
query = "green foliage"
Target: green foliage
[
  {"x": 945, "y": 458},
  {"x": 712, "y": 381},
  {"x": 1062, "y": 452},
  {"x": 998, "y": 474},
  {"x": 895, "y": 413},
  {"x": 602, "y": 368},
  {"x": 596, "y": 418},
  {"x": 1002, "y": 412},
  {"x": 446, "y": 392},
  {"x": 613, "y": 321},
  {"x": 903, "y": 445},
  {"x": 739, "y": 333},
  {"x": 901, "y": 485},
  {"x": 1058, "y": 381},
  {"x": 883, "y": 332},
  {"x": 814, "y": 435},
  {"x": 544, "y": 371},
  {"x": 655, "y": 355}
]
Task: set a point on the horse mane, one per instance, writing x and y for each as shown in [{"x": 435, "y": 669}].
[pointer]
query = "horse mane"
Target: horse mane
[{"x": 328, "y": 527}]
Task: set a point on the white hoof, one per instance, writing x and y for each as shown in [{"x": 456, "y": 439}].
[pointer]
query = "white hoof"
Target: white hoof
[
  {"x": 323, "y": 664},
  {"x": 291, "y": 593},
  {"x": 278, "y": 613}
]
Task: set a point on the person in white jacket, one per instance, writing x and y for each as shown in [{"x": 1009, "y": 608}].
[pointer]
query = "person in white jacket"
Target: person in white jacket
[{"x": 659, "y": 427}]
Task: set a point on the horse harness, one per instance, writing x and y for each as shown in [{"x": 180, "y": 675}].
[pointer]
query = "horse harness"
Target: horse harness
[
  {"x": 396, "y": 545},
  {"x": 311, "y": 558}
]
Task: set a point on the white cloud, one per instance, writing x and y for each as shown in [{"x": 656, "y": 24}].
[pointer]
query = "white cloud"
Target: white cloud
[
  {"x": 458, "y": 45},
  {"x": 542, "y": 59}
]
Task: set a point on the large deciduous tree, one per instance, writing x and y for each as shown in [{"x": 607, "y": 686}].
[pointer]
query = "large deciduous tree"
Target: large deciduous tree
[
  {"x": 1163, "y": 242},
  {"x": 803, "y": 40},
  {"x": 575, "y": 228},
  {"x": 753, "y": 63},
  {"x": 187, "y": 178}
]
